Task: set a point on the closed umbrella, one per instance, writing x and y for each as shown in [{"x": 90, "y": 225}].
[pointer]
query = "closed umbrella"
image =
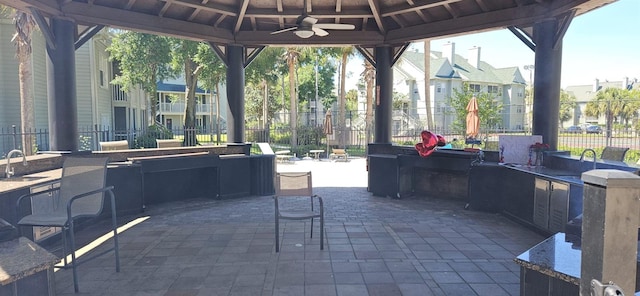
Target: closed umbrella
[
  {"x": 473, "y": 120},
  {"x": 328, "y": 128}
]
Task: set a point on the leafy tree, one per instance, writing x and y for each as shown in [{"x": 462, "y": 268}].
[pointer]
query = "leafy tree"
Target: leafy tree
[
  {"x": 212, "y": 74},
  {"x": 400, "y": 101},
  {"x": 183, "y": 58},
  {"x": 567, "y": 106},
  {"x": 143, "y": 59},
  {"x": 263, "y": 73},
  {"x": 488, "y": 109},
  {"x": 307, "y": 78}
]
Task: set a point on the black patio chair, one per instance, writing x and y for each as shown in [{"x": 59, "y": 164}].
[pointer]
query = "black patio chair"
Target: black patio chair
[{"x": 80, "y": 195}]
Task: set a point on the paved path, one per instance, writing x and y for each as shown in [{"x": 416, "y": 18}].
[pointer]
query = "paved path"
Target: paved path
[{"x": 375, "y": 246}]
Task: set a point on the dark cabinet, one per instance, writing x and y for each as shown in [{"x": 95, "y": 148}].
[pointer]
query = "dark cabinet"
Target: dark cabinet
[
  {"x": 384, "y": 175},
  {"x": 551, "y": 205},
  {"x": 485, "y": 187}
]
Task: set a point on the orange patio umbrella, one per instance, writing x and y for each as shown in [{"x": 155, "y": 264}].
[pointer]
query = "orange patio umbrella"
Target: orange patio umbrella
[{"x": 473, "y": 120}]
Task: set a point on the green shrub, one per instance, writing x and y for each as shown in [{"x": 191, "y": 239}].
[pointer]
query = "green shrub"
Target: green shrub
[
  {"x": 148, "y": 138},
  {"x": 85, "y": 143}
]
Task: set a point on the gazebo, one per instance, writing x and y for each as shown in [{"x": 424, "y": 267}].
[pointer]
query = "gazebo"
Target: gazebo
[{"x": 239, "y": 30}]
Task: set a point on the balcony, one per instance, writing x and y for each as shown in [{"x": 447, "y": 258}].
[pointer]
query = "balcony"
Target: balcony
[{"x": 178, "y": 108}]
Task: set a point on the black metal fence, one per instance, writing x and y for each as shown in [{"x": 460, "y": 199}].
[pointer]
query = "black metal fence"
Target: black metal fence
[{"x": 311, "y": 137}]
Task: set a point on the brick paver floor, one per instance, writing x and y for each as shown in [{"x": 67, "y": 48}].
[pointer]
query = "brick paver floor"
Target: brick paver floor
[{"x": 374, "y": 246}]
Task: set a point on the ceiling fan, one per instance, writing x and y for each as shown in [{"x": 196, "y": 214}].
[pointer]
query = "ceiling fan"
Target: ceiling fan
[{"x": 307, "y": 26}]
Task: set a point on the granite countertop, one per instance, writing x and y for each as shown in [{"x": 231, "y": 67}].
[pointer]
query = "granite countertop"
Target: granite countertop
[
  {"x": 20, "y": 258},
  {"x": 20, "y": 182},
  {"x": 562, "y": 175},
  {"x": 554, "y": 257}
]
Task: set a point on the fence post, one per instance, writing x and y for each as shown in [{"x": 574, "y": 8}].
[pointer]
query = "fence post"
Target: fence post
[
  {"x": 15, "y": 136},
  {"x": 96, "y": 140}
]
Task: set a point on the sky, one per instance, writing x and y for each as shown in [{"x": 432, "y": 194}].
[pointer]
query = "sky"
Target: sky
[{"x": 601, "y": 44}]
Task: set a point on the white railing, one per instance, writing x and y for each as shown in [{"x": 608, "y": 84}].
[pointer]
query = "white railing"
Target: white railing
[
  {"x": 179, "y": 108},
  {"x": 118, "y": 94}
]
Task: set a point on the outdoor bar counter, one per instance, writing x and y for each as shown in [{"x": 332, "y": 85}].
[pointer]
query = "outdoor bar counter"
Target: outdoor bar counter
[
  {"x": 543, "y": 198},
  {"x": 143, "y": 177},
  {"x": 398, "y": 171}
]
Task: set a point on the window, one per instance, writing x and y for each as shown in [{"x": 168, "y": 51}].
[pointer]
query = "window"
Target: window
[
  {"x": 474, "y": 87},
  {"x": 492, "y": 89},
  {"x": 102, "y": 70},
  {"x": 439, "y": 87}
]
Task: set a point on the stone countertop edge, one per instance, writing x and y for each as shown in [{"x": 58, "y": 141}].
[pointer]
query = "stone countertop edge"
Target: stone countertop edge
[
  {"x": 7, "y": 185},
  {"x": 20, "y": 258},
  {"x": 549, "y": 173},
  {"x": 553, "y": 257}
]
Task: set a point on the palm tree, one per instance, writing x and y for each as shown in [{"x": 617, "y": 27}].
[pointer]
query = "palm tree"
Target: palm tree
[
  {"x": 346, "y": 52},
  {"x": 611, "y": 103},
  {"x": 369, "y": 77},
  {"x": 291, "y": 56},
  {"x": 25, "y": 24}
]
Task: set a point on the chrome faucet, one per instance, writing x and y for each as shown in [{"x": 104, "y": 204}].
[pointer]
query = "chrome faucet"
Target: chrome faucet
[
  {"x": 8, "y": 170},
  {"x": 594, "y": 156}
]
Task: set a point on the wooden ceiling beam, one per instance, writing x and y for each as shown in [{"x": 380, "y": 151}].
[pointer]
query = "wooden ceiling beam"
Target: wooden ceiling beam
[
  {"x": 406, "y": 8},
  {"x": 375, "y": 10},
  {"x": 240, "y": 17},
  {"x": 100, "y": 15},
  {"x": 471, "y": 23}
]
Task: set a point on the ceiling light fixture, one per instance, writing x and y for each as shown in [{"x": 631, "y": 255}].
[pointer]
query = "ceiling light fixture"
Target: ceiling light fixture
[{"x": 303, "y": 33}]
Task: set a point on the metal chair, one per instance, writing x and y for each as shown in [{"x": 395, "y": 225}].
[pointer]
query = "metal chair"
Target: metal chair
[
  {"x": 294, "y": 187},
  {"x": 614, "y": 153},
  {"x": 80, "y": 195}
]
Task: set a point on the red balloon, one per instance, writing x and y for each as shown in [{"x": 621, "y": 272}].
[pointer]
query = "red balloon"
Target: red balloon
[{"x": 429, "y": 143}]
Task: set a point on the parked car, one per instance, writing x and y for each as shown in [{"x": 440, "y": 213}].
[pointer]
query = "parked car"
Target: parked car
[
  {"x": 574, "y": 129},
  {"x": 594, "y": 129}
]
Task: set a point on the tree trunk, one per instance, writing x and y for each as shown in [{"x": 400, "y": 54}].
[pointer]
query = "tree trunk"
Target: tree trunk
[
  {"x": 342, "y": 117},
  {"x": 427, "y": 83},
  {"x": 369, "y": 79},
  {"x": 293, "y": 116},
  {"x": 191, "y": 82},
  {"x": 26, "y": 103},
  {"x": 217, "y": 84},
  {"x": 153, "y": 102}
]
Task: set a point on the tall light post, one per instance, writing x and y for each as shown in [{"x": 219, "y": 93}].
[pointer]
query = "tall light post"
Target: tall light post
[
  {"x": 530, "y": 69},
  {"x": 529, "y": 102}
]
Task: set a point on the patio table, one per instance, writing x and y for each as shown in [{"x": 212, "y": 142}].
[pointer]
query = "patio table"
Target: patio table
[{"x": 316, "y": 153}]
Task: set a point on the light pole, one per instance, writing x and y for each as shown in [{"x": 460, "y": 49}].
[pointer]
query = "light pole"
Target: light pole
[{"x": 529, "y": 102}]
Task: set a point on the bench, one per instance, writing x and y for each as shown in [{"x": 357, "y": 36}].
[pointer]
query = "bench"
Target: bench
[
  {"x": 169, "y": 143},
  {"x": 283, "y": 155},
  {"x": 339, "y": 154},
  {"x": 114, "y": 145}
]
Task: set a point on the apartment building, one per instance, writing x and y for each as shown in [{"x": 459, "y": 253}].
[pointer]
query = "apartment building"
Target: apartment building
[{"x": 448, "y": 71}]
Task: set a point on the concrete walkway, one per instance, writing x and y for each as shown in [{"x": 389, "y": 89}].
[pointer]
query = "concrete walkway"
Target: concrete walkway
[{"x": 374, "y": 246}]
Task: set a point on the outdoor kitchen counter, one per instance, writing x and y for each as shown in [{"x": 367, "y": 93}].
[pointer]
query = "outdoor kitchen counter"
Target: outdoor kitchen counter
[
  {"x": 552, "y": 265},
  {"x": 28, "y": 181}
]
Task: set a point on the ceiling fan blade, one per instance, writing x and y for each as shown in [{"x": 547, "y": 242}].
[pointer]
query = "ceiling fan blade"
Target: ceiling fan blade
[
  {"x": 319, "y": 32},
  {"x": 335, "y": 26},
  {"x": 283, "y": 30},
  {"x": 307, "y": 20}
]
